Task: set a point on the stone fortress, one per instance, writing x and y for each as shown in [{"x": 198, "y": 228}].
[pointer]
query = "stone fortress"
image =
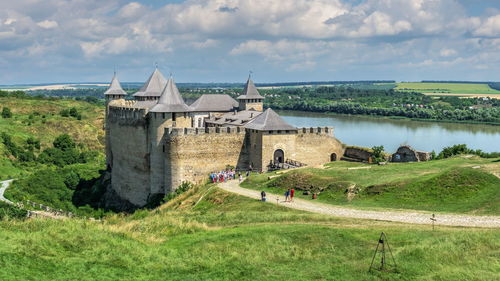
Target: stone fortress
[{"x": 155, "y": 141}]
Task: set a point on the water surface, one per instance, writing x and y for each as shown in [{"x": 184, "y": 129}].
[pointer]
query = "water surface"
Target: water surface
[{"x": 391, "y": 133}]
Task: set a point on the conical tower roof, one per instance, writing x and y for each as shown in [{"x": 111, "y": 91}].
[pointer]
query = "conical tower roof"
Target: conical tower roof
[
  {"x": 115, "y": 88},
  {"x": 269, "y": 121},
  {"x": 250, "y": 91},
  {"x": 170, "y": 100},
  {"x": 153, "y": 86}
]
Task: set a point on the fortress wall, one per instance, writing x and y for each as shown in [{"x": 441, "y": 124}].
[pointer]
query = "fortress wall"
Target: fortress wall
[
  {"x": 314, "y": 146},
  {"x": 311, "y": 146},
  {"x": 255, "y": 139},
  {"x": 273, "y": 142},
  {"x": 195, "y": 152},
  {"x": 128, "y": 134}
]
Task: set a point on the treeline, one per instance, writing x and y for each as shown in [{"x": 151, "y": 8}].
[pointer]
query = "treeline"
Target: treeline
[
  {"x": 347, "y": 100},
  {"x": 53, "y": 95},
  {"x": 460, "y": 149}
]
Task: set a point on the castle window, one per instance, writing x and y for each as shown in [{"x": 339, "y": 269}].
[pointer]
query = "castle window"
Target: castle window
[
  {"x": 163, "y": 115},
  {"x": 185, "y": 114},
  {"x": 163, "y": 148},
  {"x": 173, "y": 117}
]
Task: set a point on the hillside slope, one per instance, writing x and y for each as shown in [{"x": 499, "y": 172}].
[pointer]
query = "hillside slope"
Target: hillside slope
[{"x": 227, "y": 237}]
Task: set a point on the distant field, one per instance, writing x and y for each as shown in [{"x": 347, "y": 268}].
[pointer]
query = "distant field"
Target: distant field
[{"x": 447, "y": 88}]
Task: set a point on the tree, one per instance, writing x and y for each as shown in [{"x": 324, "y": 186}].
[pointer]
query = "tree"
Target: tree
[
  {"x": 378, "y": 153},
  {"x": 64, "y": 142},
  {"x": 6, "y": 113}
]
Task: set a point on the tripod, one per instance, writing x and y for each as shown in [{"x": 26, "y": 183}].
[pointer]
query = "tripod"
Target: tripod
[{"x": 382, "y": 242}]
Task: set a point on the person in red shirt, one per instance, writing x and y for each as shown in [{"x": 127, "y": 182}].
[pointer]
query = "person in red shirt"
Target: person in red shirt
[{"x": 292, "y": 193}]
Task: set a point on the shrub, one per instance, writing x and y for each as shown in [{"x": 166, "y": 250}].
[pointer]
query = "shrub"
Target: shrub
[
  {"x": 6, "y": 113},
  {"x": 11, "y": 212}
]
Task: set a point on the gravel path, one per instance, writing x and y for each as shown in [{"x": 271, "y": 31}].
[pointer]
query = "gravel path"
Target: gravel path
[
  {"x": 414, "y": 217},
  {"x": 3, "y": 187}
]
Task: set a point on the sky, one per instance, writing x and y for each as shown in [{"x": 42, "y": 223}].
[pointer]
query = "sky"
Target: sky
[{"x": 45, "y": 41}]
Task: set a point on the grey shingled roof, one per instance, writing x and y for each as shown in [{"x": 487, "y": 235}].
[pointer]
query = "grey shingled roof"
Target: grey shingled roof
[
  {"x": 250, "y": 91},
  {"x": 153, "y": 86},
  {"x": 170, "y": 100},
  {"x": 115, "y": 88},
  {"x": 239, "y": 118},
  {"x": 214, "y": 103},
  {"x": 269, "y": 121}
]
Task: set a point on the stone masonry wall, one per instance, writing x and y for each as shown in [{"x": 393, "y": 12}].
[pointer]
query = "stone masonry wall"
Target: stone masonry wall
[
  {"x": 128, "y": 134},
  {"x": 311, "y": 146},
  {"x": 195, "y": 152}
]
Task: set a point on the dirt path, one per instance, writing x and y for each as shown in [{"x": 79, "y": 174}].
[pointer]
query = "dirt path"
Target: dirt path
[
  {"x": 3, "y": 187},
  {"x": 414, "y": 217}
]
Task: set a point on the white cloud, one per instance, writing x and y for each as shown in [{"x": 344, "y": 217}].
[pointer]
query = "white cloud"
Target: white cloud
[
  {"x": 490, "y": 27},
  {"x": 447, "y": 52},
  {"x": 48, "y": 24}
]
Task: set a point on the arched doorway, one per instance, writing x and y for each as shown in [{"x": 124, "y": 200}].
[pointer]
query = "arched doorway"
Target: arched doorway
[
  {"x": 333, "y": 157},
  {"x": 279, "y": 156}
]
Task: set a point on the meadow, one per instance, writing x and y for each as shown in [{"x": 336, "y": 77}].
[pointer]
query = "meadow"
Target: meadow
[
  {"x": 228, "y": 237},
  {"x": 460, "y": 88},
  {"x": 455, "y": 185}
]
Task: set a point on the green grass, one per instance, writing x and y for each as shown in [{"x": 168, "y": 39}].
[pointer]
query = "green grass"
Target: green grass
[
  {"x": 39, "y": 118},
  {"x": 449, "y": 185},
  {"x": 227, "y": 237},
  {"x": 460, "y": 88}
]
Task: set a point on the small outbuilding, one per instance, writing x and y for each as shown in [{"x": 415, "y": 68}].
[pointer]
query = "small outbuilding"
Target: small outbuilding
[{"x": 406, "y": 153}]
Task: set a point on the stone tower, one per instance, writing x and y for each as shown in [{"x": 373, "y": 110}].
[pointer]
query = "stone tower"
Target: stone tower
[
  {"x": 169, "y": 112},
  {"x": 250, "y": 98},
  {"x": 114, "y": 92}
]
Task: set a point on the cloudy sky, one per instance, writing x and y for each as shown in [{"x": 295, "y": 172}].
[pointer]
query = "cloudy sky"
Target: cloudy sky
[{"x": 221, "y": 40}]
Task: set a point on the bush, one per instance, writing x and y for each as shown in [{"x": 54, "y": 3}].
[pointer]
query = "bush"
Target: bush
[
  {"x": 11, "y": 212},
  {"x": 6, "y": 113},
  {"x": 378, "y": 153}
]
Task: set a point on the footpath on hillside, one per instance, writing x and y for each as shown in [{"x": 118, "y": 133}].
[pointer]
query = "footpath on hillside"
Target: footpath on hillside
[
  {"x": 3, "y": 187},
  {"x": 413, "y": 217}
]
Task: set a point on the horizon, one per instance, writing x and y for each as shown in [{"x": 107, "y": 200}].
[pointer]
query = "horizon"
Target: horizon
[{"x": 208, "y": 40}]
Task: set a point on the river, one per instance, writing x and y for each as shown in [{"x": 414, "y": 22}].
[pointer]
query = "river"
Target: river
[{"x": 391, "y": 133}]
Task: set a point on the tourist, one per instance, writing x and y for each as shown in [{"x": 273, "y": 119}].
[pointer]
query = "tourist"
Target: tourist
[
  {"x": 263, "y": 196},
  {"x": 287, "y": 195},
  {"x": 248, "y": 173},
  {"x": 292, "y": 193},
  {"x": 241, "y": 178}
]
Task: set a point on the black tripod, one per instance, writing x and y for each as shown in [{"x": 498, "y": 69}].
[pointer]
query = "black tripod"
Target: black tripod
[{"x": 384, "y": 264}]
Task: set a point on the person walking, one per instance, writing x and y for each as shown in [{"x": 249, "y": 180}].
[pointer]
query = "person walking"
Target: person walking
[
  {"x": 241, "y": 178},
  {"x": 263, "y": 196},
  {"x": 292, "y": 193},
  {"x": 287, "y": 195}
]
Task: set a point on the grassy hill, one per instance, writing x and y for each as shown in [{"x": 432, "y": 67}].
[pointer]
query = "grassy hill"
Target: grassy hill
[
  {"x": 41, "y": 119},
  {"x": 461, "y": 185},
  {"x": 227, "y": 237}
]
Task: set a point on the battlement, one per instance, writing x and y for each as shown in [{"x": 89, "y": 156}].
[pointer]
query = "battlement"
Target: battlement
[
  {"x": 127, "y": 115},
  {"x": 204, "y": 131},
  {"x": 317, "y": 130}
]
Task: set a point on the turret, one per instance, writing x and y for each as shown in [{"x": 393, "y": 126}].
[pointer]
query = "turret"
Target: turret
[
  {"x": 114, "y": 92},
  {"x": 152, "y": 89},
  {"x": 250, "y": 97},
  {"x": 170, "y": 111}
]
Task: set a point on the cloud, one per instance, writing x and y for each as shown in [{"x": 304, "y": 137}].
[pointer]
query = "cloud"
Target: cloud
[
  {"x": 48, "y": 24},
  {"x": 490, "y": 27},
  {"x": 316, "y": 36}
]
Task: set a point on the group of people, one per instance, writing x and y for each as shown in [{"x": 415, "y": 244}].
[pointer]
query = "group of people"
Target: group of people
[
  {"x": 224, "y": 176},
  {"x": 289, "y": 194}
]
